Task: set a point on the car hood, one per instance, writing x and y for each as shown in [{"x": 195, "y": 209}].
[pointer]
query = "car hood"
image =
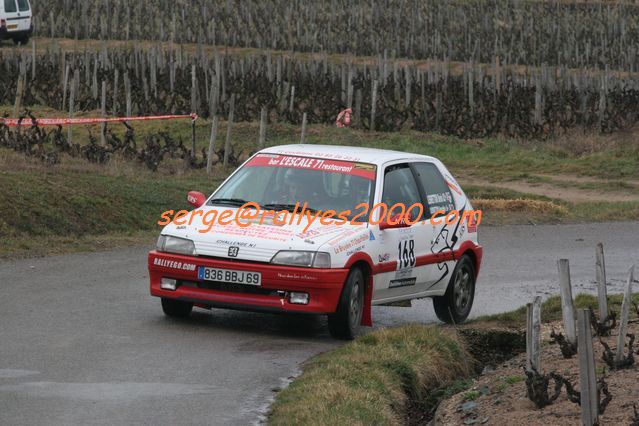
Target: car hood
[{"x": 260, "y": 242}]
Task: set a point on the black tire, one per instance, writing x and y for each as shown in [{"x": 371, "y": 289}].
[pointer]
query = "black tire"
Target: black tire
[
  {"x": 345, "y": 322},
  {"x": 22, "y": 40},
  {"x": 454, "y": 306},
  {"x": 176, "y": 308}
]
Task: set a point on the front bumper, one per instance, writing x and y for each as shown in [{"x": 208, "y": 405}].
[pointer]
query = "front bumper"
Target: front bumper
[{"x": 324, "y": 286}]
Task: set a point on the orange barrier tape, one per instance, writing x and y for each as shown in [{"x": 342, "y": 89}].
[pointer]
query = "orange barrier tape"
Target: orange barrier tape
[{"x": 13, "y": 122}]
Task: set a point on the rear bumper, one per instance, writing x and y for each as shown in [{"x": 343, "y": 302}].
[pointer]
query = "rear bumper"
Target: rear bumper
[
  {"x": 6, "y": 34},
  {"x": 324, "y": 286}
]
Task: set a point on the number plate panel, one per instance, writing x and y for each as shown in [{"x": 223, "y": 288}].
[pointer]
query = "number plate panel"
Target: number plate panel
[{"x": 233, "y": 276}]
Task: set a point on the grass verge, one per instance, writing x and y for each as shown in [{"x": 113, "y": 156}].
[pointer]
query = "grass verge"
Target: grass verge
[
  {"x": 551, "y": 310},
  {"x": 375, "y": 379},
  {"x": 60, "y": 210},
  {"x": 399, "y": 375}
]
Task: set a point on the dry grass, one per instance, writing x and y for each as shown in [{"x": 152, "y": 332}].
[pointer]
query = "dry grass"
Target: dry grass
[
  {"x": 373, "y": 379},
  {"x": 520, "y": 205},
  {"x": 28, "y": 246}
]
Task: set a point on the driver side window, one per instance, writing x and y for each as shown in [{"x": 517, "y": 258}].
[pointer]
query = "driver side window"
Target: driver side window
[
  {"x": 439, "y": 199},
  {"x": 400, "y": 187}
]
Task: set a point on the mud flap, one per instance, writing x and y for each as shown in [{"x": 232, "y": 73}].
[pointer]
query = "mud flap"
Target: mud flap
[{"x": 367, "y": 315}]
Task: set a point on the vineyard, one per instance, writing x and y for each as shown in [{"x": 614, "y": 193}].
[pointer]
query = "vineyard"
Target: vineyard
[
  {"x": 482, "y": 68},
  {"x": 149, "y": 149},
  {"x": 467, "y": 100},
  {"x": 576, "y": 34}
]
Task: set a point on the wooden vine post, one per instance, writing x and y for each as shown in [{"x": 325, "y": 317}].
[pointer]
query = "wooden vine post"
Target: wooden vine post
[
  {"x": 587, "y": 373},
  {"x": 625, "y": 314},
  {"x": 567, "y": 307},
  {"x": 533, "y": 335}
]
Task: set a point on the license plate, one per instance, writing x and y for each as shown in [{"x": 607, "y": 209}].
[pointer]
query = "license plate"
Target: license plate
[
  {"x": 229, "y": 276},
  {"x": 12, "y": 27}
]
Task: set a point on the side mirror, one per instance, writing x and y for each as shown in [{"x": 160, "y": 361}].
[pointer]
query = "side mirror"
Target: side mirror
[
  {"x": 394, "y": 222},
  {"x": 196, "y": 199}
]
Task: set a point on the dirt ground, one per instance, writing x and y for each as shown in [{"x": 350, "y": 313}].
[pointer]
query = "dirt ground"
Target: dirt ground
[
  {"x": 498, "y": 396},
  {"x": 558, "y": 186}
]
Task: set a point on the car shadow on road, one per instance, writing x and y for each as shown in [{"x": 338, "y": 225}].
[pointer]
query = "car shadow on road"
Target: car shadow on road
[{"x": 272, "y": 324}]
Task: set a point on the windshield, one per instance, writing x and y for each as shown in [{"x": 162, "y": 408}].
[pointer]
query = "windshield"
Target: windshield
[{"x": 281, "y": 181}]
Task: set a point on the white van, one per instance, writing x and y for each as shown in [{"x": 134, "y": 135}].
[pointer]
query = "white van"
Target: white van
[{"x": 16, "y": 21}]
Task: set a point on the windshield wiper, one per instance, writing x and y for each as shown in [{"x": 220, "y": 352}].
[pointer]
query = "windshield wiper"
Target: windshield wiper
[
  {"x": 288, "y": 207},
  {"x": 228, "y": 201}
]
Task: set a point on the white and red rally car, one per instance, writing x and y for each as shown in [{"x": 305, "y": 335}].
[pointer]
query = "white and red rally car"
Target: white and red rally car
[{"x": 288, "y": 262}]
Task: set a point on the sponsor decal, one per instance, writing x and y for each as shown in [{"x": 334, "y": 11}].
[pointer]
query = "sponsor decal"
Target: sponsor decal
[
  {"x": 342, "y": 236},
  {"x": 366, "y": 166},
  {"x": 356, "y": 250},
  {"x": 234, "y": 251},
  {"x": 321, "y": 155},
  {"x": 440, "y": 201},
  {"x": 293, "y": 276},
  {"x": 371, "y": 236},
  {"x": 339, "y": 248},
  {"x": 174, "y": 264},
  {"x": 472, "y": 224},
  {"x": 442, "y": 197},
  {"x": 383, "y": 257},
  {"x": 319, "y": 232},
  {"x": 402, "y": 282},
  {"x": 314, "y": 163},
  {"x": 404, "y": 273},
  {"x": 407, "y": 232},
  {"x": 266, "y": 219},
  {"x": 265, "y": 232},
  {"x": 236, "y": 243}
]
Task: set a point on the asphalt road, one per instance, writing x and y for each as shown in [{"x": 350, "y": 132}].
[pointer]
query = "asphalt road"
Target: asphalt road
[{"x": 82, "y": 342}]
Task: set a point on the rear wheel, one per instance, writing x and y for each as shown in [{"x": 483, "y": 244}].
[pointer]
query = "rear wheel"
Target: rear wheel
[
  {"x": 176, "y": 308},
  {"x": 345, "y": 322},
  {"x": 455, "y": 305},
  {"x": 21, "y": 40}
]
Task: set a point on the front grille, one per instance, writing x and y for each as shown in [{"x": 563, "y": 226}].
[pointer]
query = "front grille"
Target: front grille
[{"x": 230, "y": 287}]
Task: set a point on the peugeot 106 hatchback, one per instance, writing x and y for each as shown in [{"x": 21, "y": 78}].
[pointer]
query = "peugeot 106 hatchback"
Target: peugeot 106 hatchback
[{"x": 282, "y": 256}]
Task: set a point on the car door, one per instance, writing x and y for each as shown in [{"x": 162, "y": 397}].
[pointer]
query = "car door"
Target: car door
[
  {"x": 400, "y": 246},
  {"x": 17, "y": 14},
  {"x": 438, "y": 202},
  {"x": 24, "y": 13}
]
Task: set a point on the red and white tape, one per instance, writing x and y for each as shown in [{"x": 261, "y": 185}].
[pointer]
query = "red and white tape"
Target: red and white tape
[{"x": 27, "y": 121}]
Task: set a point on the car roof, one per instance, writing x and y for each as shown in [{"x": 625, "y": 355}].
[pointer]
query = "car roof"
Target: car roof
[{"x": 345, "y": 153}]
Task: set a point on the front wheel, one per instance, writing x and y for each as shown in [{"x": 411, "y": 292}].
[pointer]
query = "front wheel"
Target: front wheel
[
  {"x": 176, "y": 308},
  {"x": 454, "y": 306},
  {"x": 345, "y": 322}
]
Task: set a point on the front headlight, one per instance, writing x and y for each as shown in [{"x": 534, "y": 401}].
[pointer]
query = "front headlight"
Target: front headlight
[
  {"x": 177, "y": 245},
  {"x": 308, "y": 259}
]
